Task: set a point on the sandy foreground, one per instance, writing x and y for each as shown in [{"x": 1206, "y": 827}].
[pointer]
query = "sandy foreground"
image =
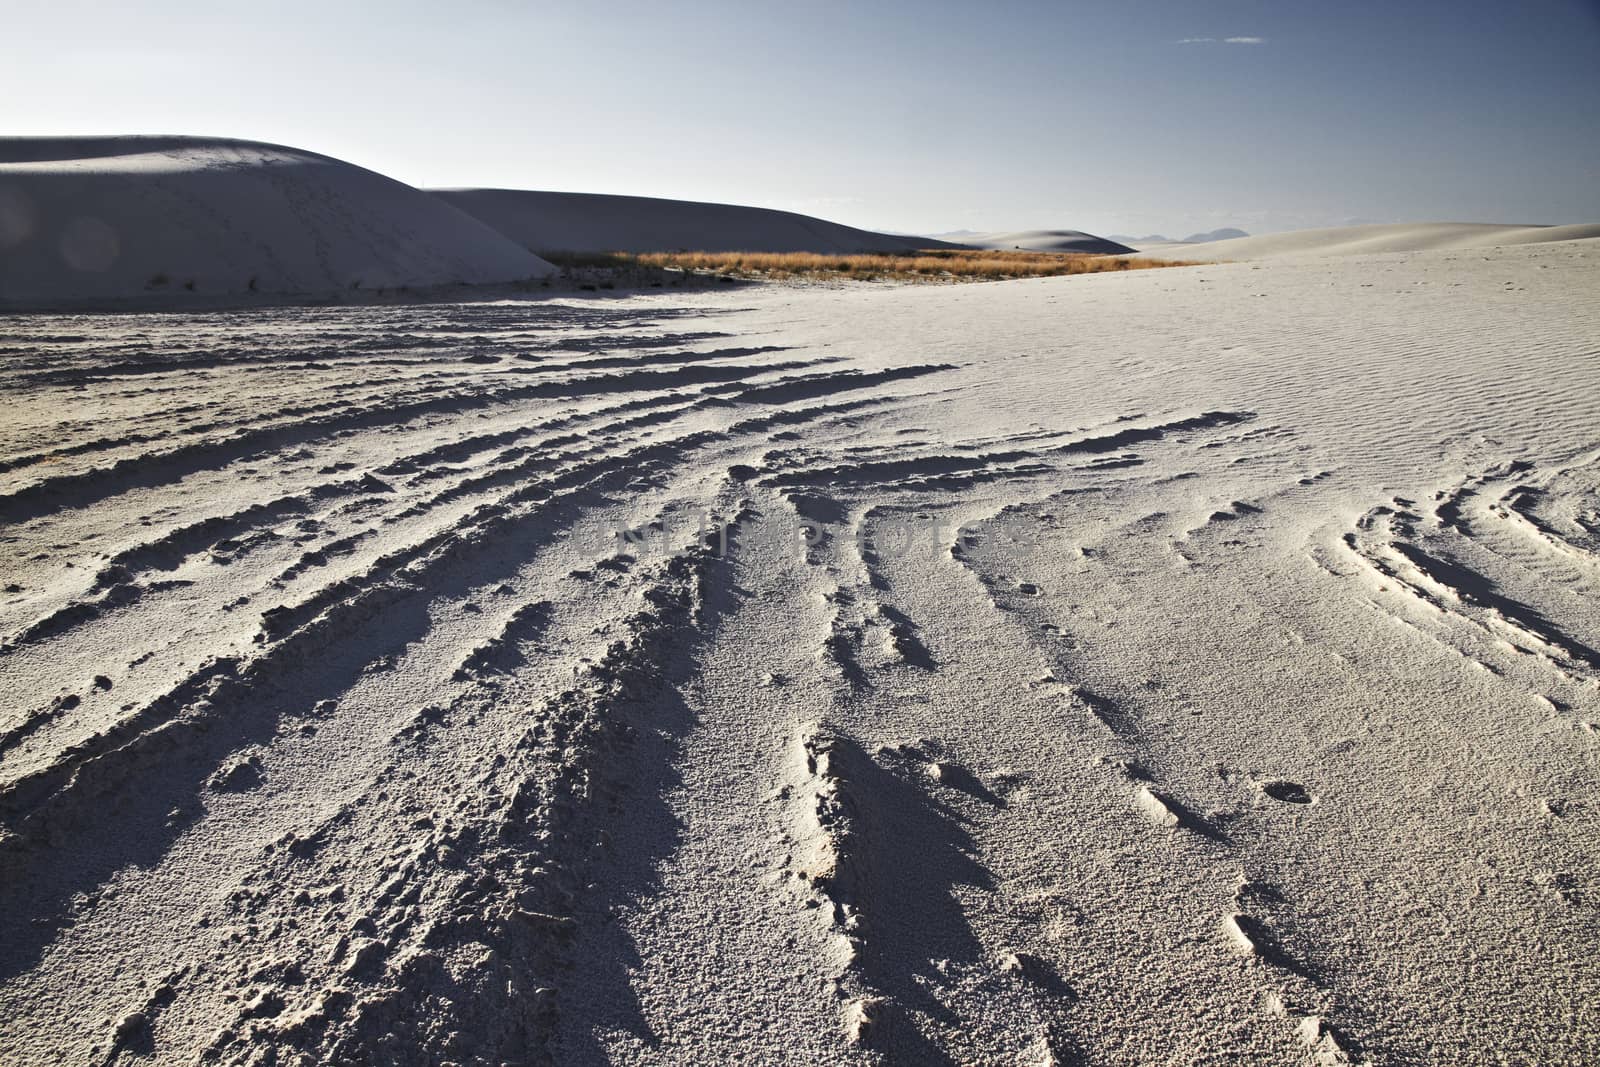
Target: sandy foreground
[
  {"x": 1174, "y": 667},
  {"x": 1370, "y": 240}
]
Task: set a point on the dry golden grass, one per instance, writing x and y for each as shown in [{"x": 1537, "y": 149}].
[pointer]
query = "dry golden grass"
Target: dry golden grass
[{"x": 940, "y": 264}]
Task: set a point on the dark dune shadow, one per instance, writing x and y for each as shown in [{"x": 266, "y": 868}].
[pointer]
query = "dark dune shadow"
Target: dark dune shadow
[
  {"x": 963, "y": 780},
  {"x": 598, "y": 994},
  {"x": 145, "y": 807},
  {"x": 89, "y": 487},
  {"x": 907, "y": 855},
  {"x": 905, "y": 633},
  {"x": 818, "y": 508},
  {"x": 1188, "y": 818},
  {"x": 1479, "y": 589},
  {"x": 1272, "y": 950},
  {"x": 908, "y": 858}
]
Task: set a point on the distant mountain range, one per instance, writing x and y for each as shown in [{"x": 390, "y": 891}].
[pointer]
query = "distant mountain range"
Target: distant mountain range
[{"x": 1194, "y": 238}]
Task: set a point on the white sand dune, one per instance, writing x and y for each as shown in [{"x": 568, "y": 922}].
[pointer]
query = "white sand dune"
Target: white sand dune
[
  {"x": 592, "y": 222},
  {"x": 1042, "y": 241},
  {"x": 1171, "y": 666},
  {"x": 85, "y": 220},
  {"x": 1396, "y": 237}
]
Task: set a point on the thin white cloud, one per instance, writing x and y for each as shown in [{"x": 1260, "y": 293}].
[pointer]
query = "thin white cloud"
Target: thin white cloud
[{"x": 1223, "y": 40}]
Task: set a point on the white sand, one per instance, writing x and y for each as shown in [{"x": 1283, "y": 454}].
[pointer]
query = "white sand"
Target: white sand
[
  {"x": 86, "y": 220},
  {"x": 592, "y": 222},
  {"x": 1394, "y": 237},
  {"x": 1251, "y": 716}
]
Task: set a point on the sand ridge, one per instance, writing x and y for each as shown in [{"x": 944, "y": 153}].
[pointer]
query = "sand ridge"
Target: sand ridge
[{"x": 595, "y": 222}]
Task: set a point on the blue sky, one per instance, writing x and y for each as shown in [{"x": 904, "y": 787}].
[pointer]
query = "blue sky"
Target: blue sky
[{"x": 1126, "y": 116}]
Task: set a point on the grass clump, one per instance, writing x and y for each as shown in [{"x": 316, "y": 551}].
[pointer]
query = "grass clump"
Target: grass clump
[{"x": 927, "y": 265}]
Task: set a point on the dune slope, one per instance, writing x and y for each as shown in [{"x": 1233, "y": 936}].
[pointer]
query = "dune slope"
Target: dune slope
[
  {"x": 592, "y": 222},
  {"x": 1185, "y": 666},
  {"x": 91, "y": 220},
  {"x": 1046, "y": 241},
  {"x": 1395, "y": 237}
]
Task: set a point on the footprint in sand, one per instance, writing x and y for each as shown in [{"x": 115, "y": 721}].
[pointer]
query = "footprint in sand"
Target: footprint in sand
[{"x": 1287, "y": 792}]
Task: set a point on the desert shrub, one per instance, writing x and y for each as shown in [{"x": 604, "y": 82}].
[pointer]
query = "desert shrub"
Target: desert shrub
[
  {"x": 929, "y": 265},
  {"x": 935, "y": 265}
]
